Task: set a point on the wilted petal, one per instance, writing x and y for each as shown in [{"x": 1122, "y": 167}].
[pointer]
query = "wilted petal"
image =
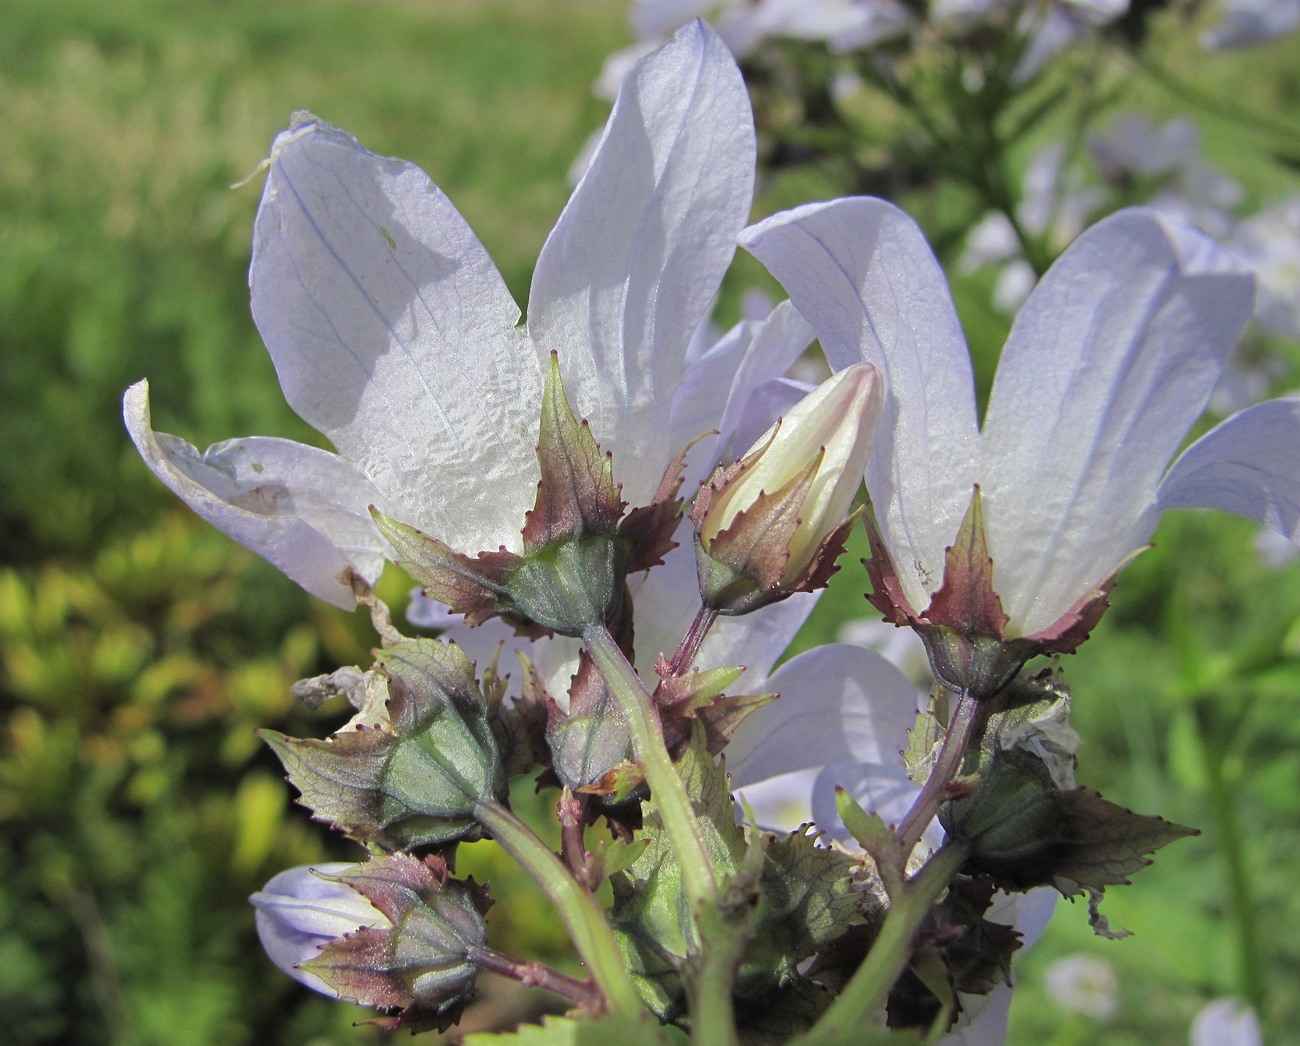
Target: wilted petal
[
  {"x": 639, "y": 252},
  {"x": 1247, "y": 466},
  {"x": 838, "y": 703},
  {"x": 863, "y": 275},
  {"x": 394, "y": 335},
  {"x": 1109, "y": 363},
  {"x": 304, "y": 510}
]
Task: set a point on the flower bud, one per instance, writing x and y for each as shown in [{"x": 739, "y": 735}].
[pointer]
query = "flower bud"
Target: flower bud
[
  {"x": 412, "y": 766},
  {"x": 300, "y": 911},
  {"x": 773, "y": 523},
  {"x": 396, "y": 932}
]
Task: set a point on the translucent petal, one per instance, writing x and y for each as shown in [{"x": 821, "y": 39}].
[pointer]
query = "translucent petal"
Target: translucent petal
[
  {"x": 303, "y": 509},
  {"x": 639, "y": 252},
  {"x": 1109, "y": 363},
  {"x": 838, "y": 703},
  {"x": 1248, "y": 465},
  {"x": 394, "y": 335}
]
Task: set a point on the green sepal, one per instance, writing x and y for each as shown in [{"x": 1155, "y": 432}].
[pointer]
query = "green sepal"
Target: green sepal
[{"x": 408, "y": 775}]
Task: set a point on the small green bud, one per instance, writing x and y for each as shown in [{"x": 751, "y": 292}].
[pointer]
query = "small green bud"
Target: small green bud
[
  {"x": 408, "y": 771},
  {"x": 1012, "y": 822}
]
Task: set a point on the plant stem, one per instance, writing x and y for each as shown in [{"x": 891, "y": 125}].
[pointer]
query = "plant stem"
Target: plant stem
[
  {"x": 1241, "y": 897},
  {"x": 666, "y": 787},
  {"x": 537, "y": 975},
  {"x": 713, "y": 1021},
  {"x": 582, "y": 916},
  {"x": 868, "y": 989},
  {"x": 689, "y": 647},
  {"x": 960, "y": 730}
]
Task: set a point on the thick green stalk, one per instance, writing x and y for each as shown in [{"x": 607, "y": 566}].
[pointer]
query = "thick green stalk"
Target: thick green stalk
[
  {"x": 582, "y": 916},
  {"x": 867, "y": 991},
  {"x": 713, "y": 1021},
  {"x": 670, "y": 797},
  {"x": 1240, "y": 895}
]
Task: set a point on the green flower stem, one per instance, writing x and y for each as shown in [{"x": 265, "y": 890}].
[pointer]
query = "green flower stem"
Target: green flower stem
[
  {"x": 867, "y": 991},
  {"x": 1241, "y": 896},
  {"x": 669, "y": 793},
  {"x": 582, "y": 916},
  {"x": 712, "y": 1014}
]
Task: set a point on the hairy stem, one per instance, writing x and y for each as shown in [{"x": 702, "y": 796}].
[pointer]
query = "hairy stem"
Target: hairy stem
[
  {"x": 582, "y": 916},
  {"x": 961, "y": 729},
  {"x": 533, "y": 974},
  {"x": 689, "y": 648}
]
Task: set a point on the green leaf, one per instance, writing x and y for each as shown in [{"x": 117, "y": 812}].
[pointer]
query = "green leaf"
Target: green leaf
[
  {"x": 807, "y": 898},
  {"x": 651, "y": 913}
]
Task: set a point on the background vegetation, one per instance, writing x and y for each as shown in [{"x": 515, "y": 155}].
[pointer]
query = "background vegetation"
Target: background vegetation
[{"x": 138, "y": 649}]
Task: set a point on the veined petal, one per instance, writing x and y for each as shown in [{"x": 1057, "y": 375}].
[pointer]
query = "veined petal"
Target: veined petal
[
  {"x": 1248, "y": 465},
  {"x": 394, "y": 335},
  {"x": 716, "y": 392},
  {"x": 1109, "y": 363},
  {"x": 639, "y": 252},
  {"x": 303, "y": 509},
  {"x": 838, "y": 704},
  {"x": 863, "y": 275}
]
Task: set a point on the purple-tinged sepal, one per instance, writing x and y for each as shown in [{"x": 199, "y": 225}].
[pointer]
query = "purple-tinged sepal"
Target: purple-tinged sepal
[
  {"x": 577, "y": 546},
  {"x": 773, "y": 523},
  {"x": 964, "y": 627},
  {"x": 412, "y": 954},
  {"x": 412, "y": 765}
]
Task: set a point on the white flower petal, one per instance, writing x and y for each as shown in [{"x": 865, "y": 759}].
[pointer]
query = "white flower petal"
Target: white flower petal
[
  {"x": 639, "y": 252},
  {"x": 394, "y": 335},
  {"x": 1248, "y": 465},
  {"x": 863, "y": 275},
  {"x": 304, "y": 510},
  {"x": 1108, "y": 365},
  {"x": 728, "y": 376},
  {"x": 838, "y": 703}
]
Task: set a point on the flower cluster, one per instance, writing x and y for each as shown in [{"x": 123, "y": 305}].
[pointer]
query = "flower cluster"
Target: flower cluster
[{"x": 529, "y": 476}]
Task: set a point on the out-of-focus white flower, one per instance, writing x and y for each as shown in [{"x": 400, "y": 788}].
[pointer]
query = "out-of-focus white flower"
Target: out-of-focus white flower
[
  {"x": 1168, "y": 158},
  {"x": 1109, "y": 363},
  {"x": 1055, "y": 206},
  {"x": 1226, "y": 1022},
  {"x": 395, "y": 336},
  {"x": 1248, "y": 23},
  {"x": 1269, "y": 242},
  {"x": 1084, "y": 984},
  {"x": 298, "y": 913}
]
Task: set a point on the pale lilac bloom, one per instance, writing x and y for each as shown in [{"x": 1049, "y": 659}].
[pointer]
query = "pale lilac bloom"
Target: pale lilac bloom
[
  {"x": 1269, "y": 242},
  {"x": 1108, "y": 365},
  {"x": 1168, "y": 156},
  {"x": 395, "y": 336},
  {"x": 1248, "y": 23},
  {"x": 299, "y": 912},
  {"x": 1226, "y": 1022}
]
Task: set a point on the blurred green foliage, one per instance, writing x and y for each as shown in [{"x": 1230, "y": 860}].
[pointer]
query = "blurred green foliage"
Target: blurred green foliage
[{"x": 138, "y": 649}]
